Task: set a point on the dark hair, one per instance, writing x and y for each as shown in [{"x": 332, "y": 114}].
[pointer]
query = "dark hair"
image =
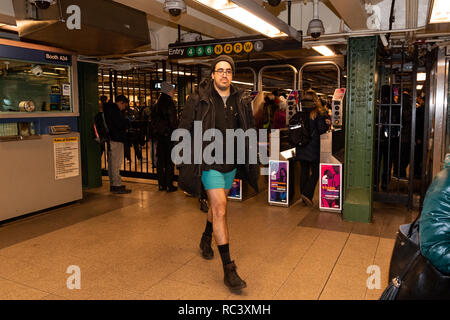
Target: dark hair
[
  {"x": 122, "y": 98},
  {"x": 103, "y": 99}
]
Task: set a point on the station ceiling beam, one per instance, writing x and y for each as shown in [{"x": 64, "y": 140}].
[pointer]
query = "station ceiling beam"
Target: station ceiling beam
[
  {"x": 352, "y": 12},
  {"x": 190, "y": 20}
]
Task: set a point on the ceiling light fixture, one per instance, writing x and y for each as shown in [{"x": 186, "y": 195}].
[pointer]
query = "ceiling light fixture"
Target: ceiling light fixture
[
  {"x": 324, "y": 50},
  {"x": 252, "y": 15},
  {"x": 176, "y": 72},
  {"x": 243, "y": 83},
  {"x": 421, "y": 76},
  {"x": 440, "y": 12}
]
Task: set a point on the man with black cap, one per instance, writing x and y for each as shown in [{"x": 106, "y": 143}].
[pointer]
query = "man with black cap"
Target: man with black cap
[
  {"x": 117, "y": 127},
  {"x": 218, "y": 105},
  {"x": 164, "y": 121}
]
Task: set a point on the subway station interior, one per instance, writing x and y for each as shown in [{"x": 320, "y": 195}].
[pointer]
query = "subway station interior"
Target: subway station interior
[{"x": 380, "y": 70}]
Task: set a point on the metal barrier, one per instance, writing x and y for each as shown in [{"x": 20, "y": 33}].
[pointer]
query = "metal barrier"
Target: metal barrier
[{"x": 142, "y": 88}]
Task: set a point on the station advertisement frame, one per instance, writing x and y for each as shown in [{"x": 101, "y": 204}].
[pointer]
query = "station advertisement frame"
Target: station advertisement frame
[
  {"x": 330, "y": 187},
  {"x": 278, "y": 191}
]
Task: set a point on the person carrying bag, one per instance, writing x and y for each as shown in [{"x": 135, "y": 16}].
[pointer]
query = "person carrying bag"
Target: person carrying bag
[{"x": 420, "y": 263}]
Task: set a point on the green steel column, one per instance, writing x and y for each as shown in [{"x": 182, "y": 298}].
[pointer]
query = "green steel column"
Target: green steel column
[
  {"x": 88, "y": 101},
  {"x": 359, "y": 129}
]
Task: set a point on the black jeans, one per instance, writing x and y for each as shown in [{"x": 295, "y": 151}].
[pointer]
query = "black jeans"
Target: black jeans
[
  {"x": 164, "y": 163},
  {"x": 309, "y": 175}
]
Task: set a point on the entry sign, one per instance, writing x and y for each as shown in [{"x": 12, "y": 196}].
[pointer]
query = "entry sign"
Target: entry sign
[
  {"x": 330, "y": 181},
  {"x": 231, "y": 46}
]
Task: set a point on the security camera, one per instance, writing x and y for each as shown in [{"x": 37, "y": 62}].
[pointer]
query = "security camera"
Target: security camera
[
  {"x": 42, "y": 4},
  {"x": 174, "y": 7},
  {"x": 315, "y": 28},
  {"x": 274, "y": 3},
  {"x": 37, "y": 70}
]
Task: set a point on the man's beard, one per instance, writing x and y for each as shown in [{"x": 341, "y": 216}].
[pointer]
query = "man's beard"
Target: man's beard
[{"x": 222, "y": 87}]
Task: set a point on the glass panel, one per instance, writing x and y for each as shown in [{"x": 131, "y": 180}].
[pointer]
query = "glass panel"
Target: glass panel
[
  {"x": 447, "y": 130},
  {"x": 29, "y": 87}
]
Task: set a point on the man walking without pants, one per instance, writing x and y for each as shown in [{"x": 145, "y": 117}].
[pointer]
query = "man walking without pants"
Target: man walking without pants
[
  {"x": 218, "y": 105},
  {"x": 117, "y": 127}
]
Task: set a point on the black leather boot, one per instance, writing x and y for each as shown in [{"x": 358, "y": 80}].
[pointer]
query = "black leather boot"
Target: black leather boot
[
  {"x": 231, "y": 278},
  {"x": 205, "y": 246},
  {"x": 203, "y": 205}
]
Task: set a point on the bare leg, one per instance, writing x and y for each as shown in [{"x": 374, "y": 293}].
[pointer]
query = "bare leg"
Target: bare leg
[{"x": 217, "y": 213}]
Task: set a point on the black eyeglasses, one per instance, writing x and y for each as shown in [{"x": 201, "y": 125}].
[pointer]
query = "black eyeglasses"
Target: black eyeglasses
[{"x": 221, "y": 72}]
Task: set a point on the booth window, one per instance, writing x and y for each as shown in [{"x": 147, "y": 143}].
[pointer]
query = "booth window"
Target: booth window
[{"x": 27, "y": 87}]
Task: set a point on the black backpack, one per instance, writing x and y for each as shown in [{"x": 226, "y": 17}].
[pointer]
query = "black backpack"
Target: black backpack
[
  {"x": 299, "y": 132},
  {"x": 101, "y": 132}
]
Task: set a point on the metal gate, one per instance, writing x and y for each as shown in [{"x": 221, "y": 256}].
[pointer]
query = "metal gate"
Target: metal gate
[
  {"x": 399, "y": 127},
  {"x": 142, "y": 88}
]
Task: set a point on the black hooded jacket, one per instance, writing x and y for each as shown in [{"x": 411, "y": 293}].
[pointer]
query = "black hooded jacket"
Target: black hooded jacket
[
  {"x": 117, "y": 124},
  {"x": 201, "y": 107},
  {"x": 317, "y": 127},
  {"x": 164, "y": 117}
]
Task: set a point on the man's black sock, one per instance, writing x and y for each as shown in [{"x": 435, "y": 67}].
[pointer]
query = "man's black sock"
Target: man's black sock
[
  {"x": 209, "y": 229},
  {"x": 225, "y": 253}
]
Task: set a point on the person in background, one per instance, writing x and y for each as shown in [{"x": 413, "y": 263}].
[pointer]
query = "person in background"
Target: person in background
[
  {"x": 309, "y": 155},
  {"x": 269, "y": 108},
  {"x": 434, "y": 221},
  {"x": 117, "y": 125},
  {"x": 164, "y": 121},
  {"x": 279, "y": 116}
]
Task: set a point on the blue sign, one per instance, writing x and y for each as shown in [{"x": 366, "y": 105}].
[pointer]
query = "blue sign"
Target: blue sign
[{"x": 33, "y": 55}]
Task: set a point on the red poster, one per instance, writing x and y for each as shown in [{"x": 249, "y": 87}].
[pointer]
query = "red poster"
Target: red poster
[{"x": 330, "y": 186}]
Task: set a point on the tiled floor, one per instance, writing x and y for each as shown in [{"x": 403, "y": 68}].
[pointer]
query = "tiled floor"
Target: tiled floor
[{"x": 145, "y": 246}]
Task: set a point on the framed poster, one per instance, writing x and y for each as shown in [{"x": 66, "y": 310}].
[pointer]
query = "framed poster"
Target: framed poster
[
  {"x": 330, "y": 181},
  {"x": 236, "y": 190},
  {"x": 278, "y": 182},
  {"x": 66, "y": 152}
]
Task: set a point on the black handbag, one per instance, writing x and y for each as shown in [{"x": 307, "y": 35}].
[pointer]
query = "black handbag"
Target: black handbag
[
  {"x": 189, "y": 180},
  {"x": 412, "y": 276}
]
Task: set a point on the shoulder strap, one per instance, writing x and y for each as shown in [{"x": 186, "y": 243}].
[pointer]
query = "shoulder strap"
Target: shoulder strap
[{"x": 104, "y": 123}]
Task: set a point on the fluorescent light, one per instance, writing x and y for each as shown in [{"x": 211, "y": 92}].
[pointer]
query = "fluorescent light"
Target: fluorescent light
[
  {"x": 419, "y": 87},
  {"x": 176, "y": 72},
  {"x": 324, "y": 50},
  {"x": 440, "y": 12},
  {"x": 421, "y": 76},
  {"x": 244, "y": 83},
  {"x": 243, "y": 16}
]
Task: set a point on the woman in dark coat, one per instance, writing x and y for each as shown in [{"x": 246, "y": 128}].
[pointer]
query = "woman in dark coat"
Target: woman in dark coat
[{"x": 309, "y": 155}]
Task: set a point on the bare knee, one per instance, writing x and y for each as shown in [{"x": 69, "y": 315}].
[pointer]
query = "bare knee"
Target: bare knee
[{"x": 219, "y": 209}]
